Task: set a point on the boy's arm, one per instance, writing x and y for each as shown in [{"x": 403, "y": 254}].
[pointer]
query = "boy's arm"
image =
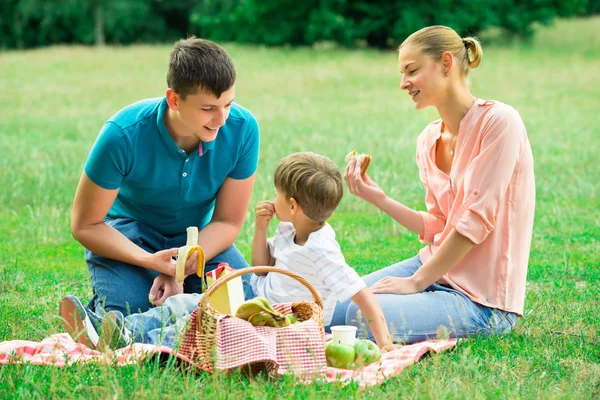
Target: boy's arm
[
  {"x": 261, "y": 254},
  {"x": 371, "y": 310}
]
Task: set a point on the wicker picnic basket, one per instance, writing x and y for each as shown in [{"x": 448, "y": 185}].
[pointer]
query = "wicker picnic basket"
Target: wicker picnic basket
[{"x": 211, "y": 335}]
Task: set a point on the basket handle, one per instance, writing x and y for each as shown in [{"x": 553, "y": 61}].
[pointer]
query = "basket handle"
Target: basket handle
[{"x": 250, "y": 270}]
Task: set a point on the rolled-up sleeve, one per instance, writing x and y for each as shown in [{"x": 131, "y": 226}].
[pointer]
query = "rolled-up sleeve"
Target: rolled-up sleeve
[
  {"x": 489, "y": 174},
  {"x": 433, "y": 219}
]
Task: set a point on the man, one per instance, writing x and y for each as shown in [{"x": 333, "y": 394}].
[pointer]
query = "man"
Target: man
[{"x": 159, "y": 166}]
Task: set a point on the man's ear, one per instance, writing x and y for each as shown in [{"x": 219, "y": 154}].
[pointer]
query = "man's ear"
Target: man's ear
[
  {"x": 447, "y": 62},
  {"x": 172, "y": 99},
  {"x": 295, "y": 206}
]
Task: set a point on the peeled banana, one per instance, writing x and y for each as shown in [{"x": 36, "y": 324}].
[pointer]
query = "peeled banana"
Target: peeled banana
[{"x": 185, "y": 253}]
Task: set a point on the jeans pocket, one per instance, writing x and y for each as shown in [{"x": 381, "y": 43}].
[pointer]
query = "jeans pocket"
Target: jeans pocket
[{"x": 501, "y": 322}]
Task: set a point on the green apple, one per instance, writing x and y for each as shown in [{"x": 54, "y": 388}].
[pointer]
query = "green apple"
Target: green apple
[
  {"x": 339, "y": 355},
  {"x": 367, "y": 352}
]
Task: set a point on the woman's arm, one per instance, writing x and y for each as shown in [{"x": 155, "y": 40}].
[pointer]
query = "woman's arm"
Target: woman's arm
[
  {"x": 405, "y": 216},
  {"x": 90, "y": 207},
  {"x": 450, "y": 252},
  {"x": 371, "y": 310}
]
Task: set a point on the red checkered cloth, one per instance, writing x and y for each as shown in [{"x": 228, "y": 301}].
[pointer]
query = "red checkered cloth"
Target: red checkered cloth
[
  {"x": 298, "y": 348},
  {"x": 60, "y": 350},
  {"x": 391, "y": 363}
]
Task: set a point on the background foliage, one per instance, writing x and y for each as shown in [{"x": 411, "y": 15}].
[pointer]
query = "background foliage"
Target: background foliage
[{"x": 377, "y": 23}]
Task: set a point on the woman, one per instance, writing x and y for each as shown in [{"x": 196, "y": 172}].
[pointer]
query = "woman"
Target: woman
[{"x": 477, "y": 169}]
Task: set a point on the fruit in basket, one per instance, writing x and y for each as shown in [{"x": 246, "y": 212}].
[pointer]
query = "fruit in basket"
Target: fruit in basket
[
  {"x": 339, "y": 355},
  {"x": 260, "y": 319},
  {"x": 292, "y": 318},
  {"x": 256, "y": 305},
  {"x": 366, "y": 352}
]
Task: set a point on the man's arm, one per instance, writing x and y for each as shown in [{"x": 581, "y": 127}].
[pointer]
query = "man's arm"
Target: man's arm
[
  {"x": 90, "y": 207},
  {"x": 229, "y": 215}
]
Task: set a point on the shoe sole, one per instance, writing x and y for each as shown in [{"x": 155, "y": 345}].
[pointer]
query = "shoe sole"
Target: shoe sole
[{"x": 74, "y": 324}]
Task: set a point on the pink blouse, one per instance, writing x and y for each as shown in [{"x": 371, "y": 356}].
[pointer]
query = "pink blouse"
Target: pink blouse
[{"x": 489, "y": 197}]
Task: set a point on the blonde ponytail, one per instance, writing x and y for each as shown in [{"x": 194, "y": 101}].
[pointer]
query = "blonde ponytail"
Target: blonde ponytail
[
  {"x": 435, "y": 40},
  {"x": 474, "y": 51}
]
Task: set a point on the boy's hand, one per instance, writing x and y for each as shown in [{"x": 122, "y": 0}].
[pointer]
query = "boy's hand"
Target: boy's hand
[{"x": 265, "y": 211}]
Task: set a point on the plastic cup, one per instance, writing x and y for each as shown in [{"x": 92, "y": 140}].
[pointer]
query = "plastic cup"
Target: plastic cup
[{"x": 344, "y": 334}]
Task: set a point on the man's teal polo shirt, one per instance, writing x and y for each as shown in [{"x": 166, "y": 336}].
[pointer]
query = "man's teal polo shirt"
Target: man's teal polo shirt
[{"x": 160, "y": 185}]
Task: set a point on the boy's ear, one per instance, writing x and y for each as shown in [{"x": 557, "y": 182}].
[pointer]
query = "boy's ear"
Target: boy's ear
[{"x": 295, "y": 206}]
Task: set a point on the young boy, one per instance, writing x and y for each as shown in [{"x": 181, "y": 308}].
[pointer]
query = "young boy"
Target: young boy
[{"x": 309, "y": 188}]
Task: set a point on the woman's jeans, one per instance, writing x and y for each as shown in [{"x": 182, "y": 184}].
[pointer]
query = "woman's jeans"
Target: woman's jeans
[
  {"x": 438, "y": 311},
  {"x": 125, "y": 287}
]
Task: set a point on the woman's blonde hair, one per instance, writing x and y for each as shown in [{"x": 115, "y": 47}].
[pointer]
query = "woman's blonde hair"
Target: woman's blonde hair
[{"x": 435, "y": 40}]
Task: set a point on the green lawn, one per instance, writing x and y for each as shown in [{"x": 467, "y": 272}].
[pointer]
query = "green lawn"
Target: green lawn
[{"x": 328, "y": 101}]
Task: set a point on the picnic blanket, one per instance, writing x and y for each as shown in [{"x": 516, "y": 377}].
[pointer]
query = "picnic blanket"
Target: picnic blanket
[{"x": 60, "y": 350}]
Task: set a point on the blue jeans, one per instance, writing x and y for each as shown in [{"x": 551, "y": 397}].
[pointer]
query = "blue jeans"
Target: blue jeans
[
  {"x": 164, "y": 325},
  {"x": 124, "y": 287},
  {"x": 437, "y": 311}
]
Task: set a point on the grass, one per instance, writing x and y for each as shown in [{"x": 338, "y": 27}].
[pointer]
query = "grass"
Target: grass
[{"x": 329, "y": 101}]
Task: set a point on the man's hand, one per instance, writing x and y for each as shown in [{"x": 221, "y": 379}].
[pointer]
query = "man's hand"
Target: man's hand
[
  {"x": 191, "y": 265},
  {"x": 163, "y": 262},
  {"x": 265, "y": 211},
  {"x": 395, "y": 286},
  {"x": 164, "y": 286}
]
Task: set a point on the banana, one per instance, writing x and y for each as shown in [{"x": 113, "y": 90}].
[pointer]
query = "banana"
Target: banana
[
  {"x": 292, "y": 318},
  {"x": 255, "y": 306},
  {"x": 266, "y": 304},
  {"x": 260, "y": 319},
  {"x": 186, "y": 251},
  {"x": 277, "y": 322},
  {"x": 258, "y": 312}
]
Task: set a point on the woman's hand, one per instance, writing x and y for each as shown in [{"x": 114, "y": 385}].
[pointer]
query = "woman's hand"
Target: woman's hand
[
  {"x": 395, "y": 286},
  {"x": 163, "y": 262},
  {"x": 361, "y": 185},
  {"x": 164, "y": 286}
]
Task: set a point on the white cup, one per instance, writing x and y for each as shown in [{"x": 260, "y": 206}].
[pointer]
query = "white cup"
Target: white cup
[{"x": 344, "y": 334}]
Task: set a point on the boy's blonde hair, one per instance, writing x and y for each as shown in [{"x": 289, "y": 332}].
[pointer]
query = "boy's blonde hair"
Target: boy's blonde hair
[
  {"x": 435, "y": 40},
  {"x": 314, "y": 181}
]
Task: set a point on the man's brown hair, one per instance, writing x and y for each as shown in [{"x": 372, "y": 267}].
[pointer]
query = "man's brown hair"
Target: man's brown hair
[
  {"x": 198, "y": 64},
  {"x": 313, "y": 181}
]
